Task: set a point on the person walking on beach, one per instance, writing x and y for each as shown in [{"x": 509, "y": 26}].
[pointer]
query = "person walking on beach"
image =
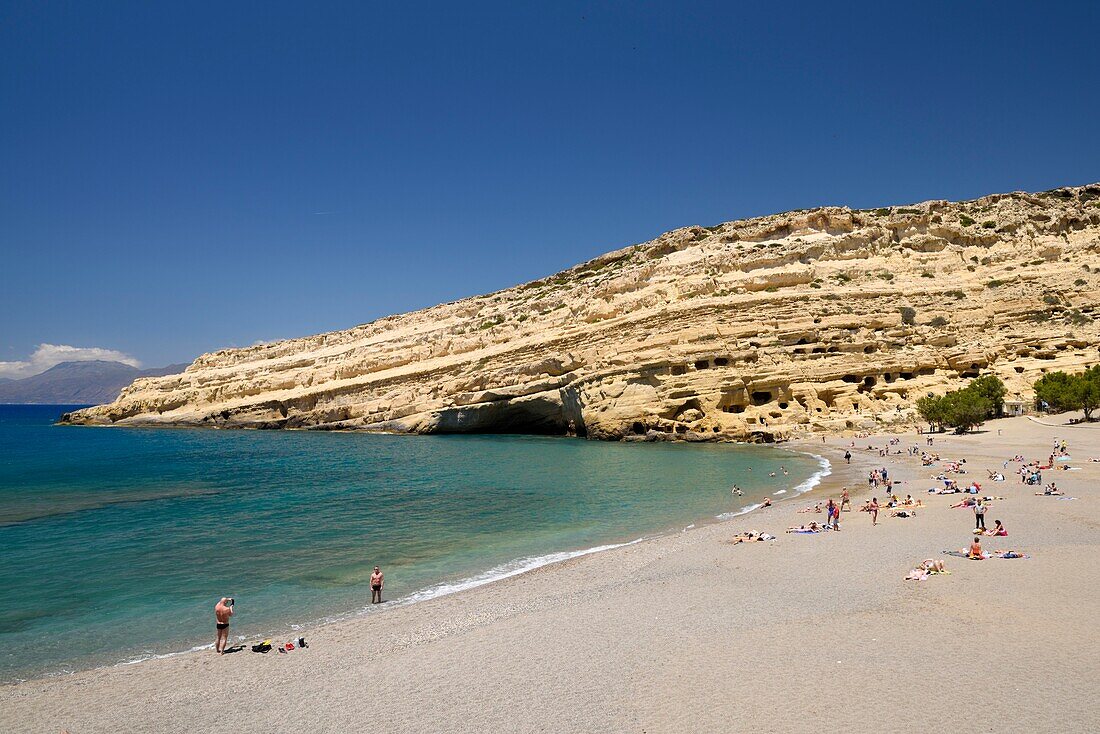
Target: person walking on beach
[
  {"x": 873, "y": 509},
  {"x": 979, "y": 515},
  {"x": 223, "y": 610},
  {"x": 377, "y": 579},
  {"x": 848, "y": 456},
  {"x": 845, "y": 500}
]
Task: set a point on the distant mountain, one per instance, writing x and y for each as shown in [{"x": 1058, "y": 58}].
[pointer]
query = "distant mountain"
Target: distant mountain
[{"x": 78, "y": 383}]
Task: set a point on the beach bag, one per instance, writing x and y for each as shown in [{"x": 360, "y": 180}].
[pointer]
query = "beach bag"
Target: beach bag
[{"x": 264, "y": 646}]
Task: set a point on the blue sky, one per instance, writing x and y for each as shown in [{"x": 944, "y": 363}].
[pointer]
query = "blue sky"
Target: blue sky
[{"x": 177, "y": 178}]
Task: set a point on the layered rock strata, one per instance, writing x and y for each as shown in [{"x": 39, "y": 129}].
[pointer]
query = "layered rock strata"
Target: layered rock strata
[{"x": 827, "y": 319}]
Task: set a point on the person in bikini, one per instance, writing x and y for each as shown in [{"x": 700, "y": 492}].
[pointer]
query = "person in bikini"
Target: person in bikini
[
  {"x": 223, "y": 610},
  {"x": 377, "y": 579}
]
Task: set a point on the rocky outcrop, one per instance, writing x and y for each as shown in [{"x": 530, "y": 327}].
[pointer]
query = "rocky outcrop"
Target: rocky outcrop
[{"x": 822, "y": 320}]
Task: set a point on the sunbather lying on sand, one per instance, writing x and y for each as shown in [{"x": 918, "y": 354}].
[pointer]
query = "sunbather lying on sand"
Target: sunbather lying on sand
[
  {"x": 749, "y": 536},
  {"x": 811, "y": 528},
  {"x": 903, "y": 513},
  {"x": 927, "y": 567},
  {"x": 815, "y": 508}
]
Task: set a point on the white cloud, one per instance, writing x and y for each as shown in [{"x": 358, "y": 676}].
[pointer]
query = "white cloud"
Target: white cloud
[{"x": 47, "y": 355}]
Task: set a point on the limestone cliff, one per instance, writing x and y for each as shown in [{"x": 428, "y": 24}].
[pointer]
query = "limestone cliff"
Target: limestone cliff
[{"x": 826, "y": 319}]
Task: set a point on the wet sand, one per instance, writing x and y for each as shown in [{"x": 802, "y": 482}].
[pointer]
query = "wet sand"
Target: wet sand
[{"x": 689, "y": 633}]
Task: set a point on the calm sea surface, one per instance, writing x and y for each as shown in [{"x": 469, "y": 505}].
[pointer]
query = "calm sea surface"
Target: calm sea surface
[{"x": 116, "y": 543}]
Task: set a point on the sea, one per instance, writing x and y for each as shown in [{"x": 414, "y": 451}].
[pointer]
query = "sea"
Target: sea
[{"x": 117, "y": 542}]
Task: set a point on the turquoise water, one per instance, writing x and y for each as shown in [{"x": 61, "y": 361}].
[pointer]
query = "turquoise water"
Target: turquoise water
[{"x": 116, "y": 543}]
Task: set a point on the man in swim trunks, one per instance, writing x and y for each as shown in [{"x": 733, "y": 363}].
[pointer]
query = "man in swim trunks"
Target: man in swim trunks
[
  {"x": 845, "y": 500},
  {"x": 223, "y": 610},
  {"x": 377, "y": 579}
]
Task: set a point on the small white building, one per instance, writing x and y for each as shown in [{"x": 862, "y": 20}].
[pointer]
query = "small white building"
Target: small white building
[{"x": 1015, "y": 407}]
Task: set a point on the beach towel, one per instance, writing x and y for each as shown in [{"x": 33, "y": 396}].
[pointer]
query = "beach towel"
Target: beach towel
[{"x": 1011, "y": 556}]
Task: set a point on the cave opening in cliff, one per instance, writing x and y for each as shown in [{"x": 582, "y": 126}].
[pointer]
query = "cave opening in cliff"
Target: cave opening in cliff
[
  {"x": 761, "y": 397},
  {"x": 539, "y": 417}
]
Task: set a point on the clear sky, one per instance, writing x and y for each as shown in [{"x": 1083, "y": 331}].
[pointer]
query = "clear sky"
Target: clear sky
[{"x": 181, "y": 177}]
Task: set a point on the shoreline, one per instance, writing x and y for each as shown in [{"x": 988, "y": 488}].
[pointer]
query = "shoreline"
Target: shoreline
[
  {"x": 494, "y": 574},
  {"x": 594, "y": 616}
]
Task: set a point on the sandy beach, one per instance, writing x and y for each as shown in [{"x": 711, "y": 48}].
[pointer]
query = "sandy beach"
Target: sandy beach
[{"x": 687, "y": 632}]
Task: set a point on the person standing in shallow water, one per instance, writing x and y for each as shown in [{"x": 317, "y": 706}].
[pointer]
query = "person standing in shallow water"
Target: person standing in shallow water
[
  {"x": 223, "y": 610},
  {"x": 377, "y": 580}
]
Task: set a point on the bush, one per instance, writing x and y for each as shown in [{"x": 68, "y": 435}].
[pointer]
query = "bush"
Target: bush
[
  {"x": 1080, "y": 281},
  {"x": 994, "y": 283},
  {"x": 908, "y": 315},
  {"x": 989, "y": 225},
  {"x": 1077, "y": 318},
  {"x": 938, "y": 322},
  {"x": 965, "y": 220}
]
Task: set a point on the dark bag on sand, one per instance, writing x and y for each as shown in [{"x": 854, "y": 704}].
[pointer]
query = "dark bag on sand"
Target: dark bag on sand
[
  {"x": 262, "y": 647},
  {"x": 302, "y": 642}
]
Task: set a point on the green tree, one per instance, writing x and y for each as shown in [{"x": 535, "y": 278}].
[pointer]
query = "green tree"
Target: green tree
[
  {"x": 1088, "y": 390},
  {"x": 992, "y": 389},
  {"x": 1058, "y": 391},
  {"x": 965, "y": 409},
  {"x": 930, "y": 408}
]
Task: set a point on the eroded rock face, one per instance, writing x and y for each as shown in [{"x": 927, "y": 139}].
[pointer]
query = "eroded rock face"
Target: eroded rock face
[{"x": 828, "y": 319}]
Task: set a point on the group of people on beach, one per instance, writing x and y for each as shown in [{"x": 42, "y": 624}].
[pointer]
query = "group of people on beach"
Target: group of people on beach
[
  {"x": 224, "y": 609},
  {"x": 904, "y": 508}
]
